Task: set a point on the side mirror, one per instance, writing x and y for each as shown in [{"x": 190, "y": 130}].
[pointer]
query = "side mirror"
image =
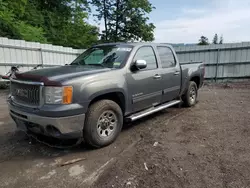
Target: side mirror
[{"x": 140, "y": 64}]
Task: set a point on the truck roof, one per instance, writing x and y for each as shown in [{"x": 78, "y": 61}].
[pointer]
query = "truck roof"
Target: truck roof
[{"x": 134, "y": 44}]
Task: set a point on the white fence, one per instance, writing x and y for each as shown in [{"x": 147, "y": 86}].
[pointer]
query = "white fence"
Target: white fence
[
  {"x": 223, "y": 62},
  {"x": 226, "y": 61},
  {"x": 30, "y": 54}
]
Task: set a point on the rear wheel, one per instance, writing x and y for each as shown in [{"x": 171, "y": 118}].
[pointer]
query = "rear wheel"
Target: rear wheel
[
  {"x": 190, "y": 97},
  {"x": 103, "y": 123}
]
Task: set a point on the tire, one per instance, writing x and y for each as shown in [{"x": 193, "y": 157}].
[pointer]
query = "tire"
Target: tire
[
  {"x": 103, "y": 123},
  {"x": 190, "y": 97}
]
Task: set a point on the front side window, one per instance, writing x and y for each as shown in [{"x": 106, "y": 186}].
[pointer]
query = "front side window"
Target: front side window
[
  {"x": 146, "y": 53},
  {"x": 110, "y": 56},
  {"x": 166, "y": 56}
]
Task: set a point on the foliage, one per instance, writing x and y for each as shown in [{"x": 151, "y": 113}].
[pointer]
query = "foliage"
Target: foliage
[
  {"x": 60, "y": 22},
  {"x": 125, "y": 20},
  {"x": 215, "y": 39},
  {"x": 31, "y": 33},
  {"x": 221, "y": 40},
  {"x": 63, "y": 22},
  {"x": 203, "y": 41},
  {"x": 7, "y": 25}
]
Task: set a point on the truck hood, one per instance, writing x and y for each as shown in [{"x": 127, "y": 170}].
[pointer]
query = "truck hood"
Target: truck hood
[{"x": 56, "y": 75}]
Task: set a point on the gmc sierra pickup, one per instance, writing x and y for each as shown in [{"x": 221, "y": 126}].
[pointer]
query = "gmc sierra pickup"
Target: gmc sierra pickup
[{"x": 103, "y": 87}]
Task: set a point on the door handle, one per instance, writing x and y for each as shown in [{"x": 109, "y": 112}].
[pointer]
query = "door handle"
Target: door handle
[
  {"x": 157, "y": 76},
  {"x": 177, "y": 73}
]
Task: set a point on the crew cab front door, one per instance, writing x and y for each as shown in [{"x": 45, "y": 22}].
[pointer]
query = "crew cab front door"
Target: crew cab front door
[{"x": 144, "y": 85}]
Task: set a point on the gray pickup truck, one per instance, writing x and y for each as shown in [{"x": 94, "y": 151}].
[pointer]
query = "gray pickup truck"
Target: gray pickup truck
[{"x": 105, "y": 86}]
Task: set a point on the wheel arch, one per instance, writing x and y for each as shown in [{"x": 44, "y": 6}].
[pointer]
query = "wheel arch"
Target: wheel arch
[
  {"x": 116, "y": 96},
  {"x": 197, "y": 80}
]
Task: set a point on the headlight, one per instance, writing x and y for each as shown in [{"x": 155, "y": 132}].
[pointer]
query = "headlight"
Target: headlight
[{"x": 58, "y": 95}]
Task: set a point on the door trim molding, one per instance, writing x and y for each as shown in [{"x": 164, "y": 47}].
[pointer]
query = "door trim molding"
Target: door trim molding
[
  {"x": 171, "y": 89},
  {"x": 146, "y": 96}
]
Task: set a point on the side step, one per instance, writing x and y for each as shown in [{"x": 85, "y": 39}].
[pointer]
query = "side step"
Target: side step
[{"x": 152, "y": 110}]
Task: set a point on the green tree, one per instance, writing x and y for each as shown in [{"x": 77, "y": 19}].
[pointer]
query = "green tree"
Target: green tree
[
  {"x": 203, "y": 41},
  {"x": 125, "y": 20},
  {"x": 7, "y": 25},
  {"x": 221, "y": 39},
  {"x": 31, "y": 33},
  {"x": 215, "y": 39},
  {"x": 59, "y": 22},
  {"x": 12, "y": 25},
  {"x": 103, "y": 9}
]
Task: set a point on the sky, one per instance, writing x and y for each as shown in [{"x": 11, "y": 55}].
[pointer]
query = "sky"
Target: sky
[{"x": 185, "y": 21}]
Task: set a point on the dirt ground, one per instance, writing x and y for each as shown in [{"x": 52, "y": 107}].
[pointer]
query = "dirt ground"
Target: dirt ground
[{"x": 204, "y": 146}]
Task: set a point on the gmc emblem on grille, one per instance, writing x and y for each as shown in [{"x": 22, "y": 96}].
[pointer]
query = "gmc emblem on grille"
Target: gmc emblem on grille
[{"x": 22, "y": 93}]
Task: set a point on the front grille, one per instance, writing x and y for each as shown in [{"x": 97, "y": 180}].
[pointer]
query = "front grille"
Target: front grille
[{"x": 26, "y": 94}]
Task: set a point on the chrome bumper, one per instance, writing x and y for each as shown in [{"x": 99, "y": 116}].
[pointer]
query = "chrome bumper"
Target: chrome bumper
[{"x": 59, "y": 127}]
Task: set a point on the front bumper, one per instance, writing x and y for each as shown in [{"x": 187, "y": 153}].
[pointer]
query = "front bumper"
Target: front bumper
[{"x": 59, "y": 127}]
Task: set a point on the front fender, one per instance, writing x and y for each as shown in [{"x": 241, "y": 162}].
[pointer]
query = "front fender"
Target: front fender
[{"x": 90, "y": 91}]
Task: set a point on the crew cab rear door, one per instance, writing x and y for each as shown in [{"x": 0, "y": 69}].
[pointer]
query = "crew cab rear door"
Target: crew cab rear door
[{"x": 171, "y": 73}]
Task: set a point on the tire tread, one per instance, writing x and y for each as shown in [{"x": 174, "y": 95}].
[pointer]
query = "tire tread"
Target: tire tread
[
  {"x": 185, "y": 97},
  {"x": 92, "y": 115}
]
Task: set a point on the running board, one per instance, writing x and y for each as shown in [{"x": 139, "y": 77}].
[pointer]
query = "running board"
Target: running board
[{"x": 152, "y": 110}]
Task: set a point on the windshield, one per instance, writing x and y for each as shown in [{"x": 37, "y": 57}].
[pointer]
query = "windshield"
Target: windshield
[{"x": 110, "y": 56}]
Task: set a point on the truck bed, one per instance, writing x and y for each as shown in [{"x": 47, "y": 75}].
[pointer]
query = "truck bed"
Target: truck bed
[{"x": 192, "y": 69}]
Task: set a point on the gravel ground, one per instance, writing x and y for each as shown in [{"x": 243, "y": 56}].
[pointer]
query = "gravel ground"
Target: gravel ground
[{"x": 204, "y": 146}]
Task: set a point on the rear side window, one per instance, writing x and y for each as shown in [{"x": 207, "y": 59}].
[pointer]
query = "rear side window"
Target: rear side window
[
  {"x": 166, "y": 56},
  {"x": 146, "y": 53}
]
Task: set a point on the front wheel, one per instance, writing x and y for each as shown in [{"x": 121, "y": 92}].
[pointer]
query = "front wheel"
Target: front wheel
[
  {"x": 103, "y": 123},
  {"x": 190, "y": 97}
]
